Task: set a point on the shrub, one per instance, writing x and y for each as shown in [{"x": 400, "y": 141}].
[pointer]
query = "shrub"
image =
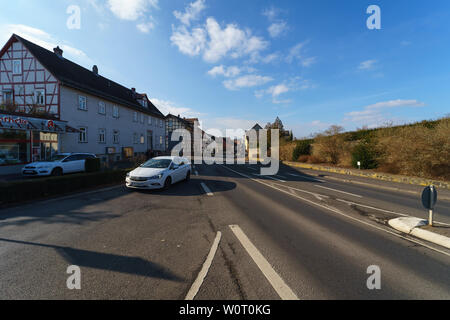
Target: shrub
[
  {"x": 303, "y": 148},
  {"x": 33, "y": 189},
  {"x": 303, "y": 159},
  {"x": 366, "y": 154},
  {"x": 92, "y": 165}
]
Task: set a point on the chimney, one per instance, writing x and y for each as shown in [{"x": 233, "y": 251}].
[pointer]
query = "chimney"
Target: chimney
[
  {"x": 95, "y": 70},
  {"x": 58, "y": 51}
]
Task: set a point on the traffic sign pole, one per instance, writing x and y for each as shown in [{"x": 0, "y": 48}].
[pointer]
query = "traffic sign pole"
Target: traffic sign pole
[
  {"x": 430, "y": 219},
  {"x": 429, "y": 200}
]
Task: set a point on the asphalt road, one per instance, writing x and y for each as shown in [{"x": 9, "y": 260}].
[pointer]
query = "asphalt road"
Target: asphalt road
[{"x": 294, "y": 235}]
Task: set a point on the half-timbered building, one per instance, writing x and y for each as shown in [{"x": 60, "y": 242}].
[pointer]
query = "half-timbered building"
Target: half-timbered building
[{"x": 49, "y": 104}]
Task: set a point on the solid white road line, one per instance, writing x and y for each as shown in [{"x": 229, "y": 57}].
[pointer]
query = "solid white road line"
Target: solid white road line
[
  {"x": 206, "y": 266},
  {"x": 304, "y": 191},
  {"x": 369, "y": 207},
  {"x": 207, "y": 190},
  {"x": 343, "y": 214},
  {"x": 351, "y": 194},
  {"x": 306, "y": 178},
  {"x": 274, "y": 279},
  {"x": 270, "y": 177}
]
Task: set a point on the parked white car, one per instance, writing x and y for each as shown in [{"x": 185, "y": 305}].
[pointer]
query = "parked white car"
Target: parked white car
[
  {"x": 159, "y": 173},
  {"x": 59, "y": 165}
]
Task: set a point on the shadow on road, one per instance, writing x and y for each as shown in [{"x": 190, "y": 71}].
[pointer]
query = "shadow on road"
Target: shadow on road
[
  {"x": 108, "y": 262},
  {"x": 191, "y": 188}
]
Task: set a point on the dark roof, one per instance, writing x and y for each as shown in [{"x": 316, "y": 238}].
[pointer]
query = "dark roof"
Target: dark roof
[
  {"x": 257, "y": 127},
  {"x": 75, "y": 76}
]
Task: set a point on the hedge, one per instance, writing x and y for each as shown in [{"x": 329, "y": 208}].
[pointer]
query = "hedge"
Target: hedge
[
  {"x": 37, "y": 188},
  {"x": 92, "y": 165}
]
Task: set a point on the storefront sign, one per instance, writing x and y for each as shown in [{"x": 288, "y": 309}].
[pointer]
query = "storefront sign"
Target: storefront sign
[
  {"x": 33, "y": 124},
  {"x": 110, "y": 150}
]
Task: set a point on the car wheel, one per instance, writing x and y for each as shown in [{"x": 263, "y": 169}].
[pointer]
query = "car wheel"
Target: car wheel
[
  {"x": 188, "y": 176},
  {"x": 57, "y": 172},
  {"x": 167, "y": 183}
]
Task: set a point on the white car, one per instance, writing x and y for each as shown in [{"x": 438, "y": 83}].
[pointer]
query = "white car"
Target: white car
[
  {"x": 159, "y": 173},
  {"x": 59, "y": 165}
]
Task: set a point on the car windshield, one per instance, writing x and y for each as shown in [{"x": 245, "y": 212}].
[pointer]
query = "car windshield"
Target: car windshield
[
  {"x": 58, "y": 157},
  {"x": 157, "y": 163}
]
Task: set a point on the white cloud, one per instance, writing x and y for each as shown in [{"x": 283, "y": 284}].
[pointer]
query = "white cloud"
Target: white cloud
[
  {"x": 367, "y": 65},
  {"x": 229, "y": 72},
  {"x": 277, "y": 28},
  {"x": 373, "y": 114},
  {"x": 275, "y": 91},
  {"x": 145, "y": 27},
  {"x": 231, "y": 123},
  {"x": 308, "y": 61},
  {"x": 191, "y": 13},
  {"x": 167, "y": 107},
  {"x": 131, "y": 9},
  {"x": 271, "y": 13},
  {"x": 247, "y": 81},
  {"x": 190, "y": 43},
  {"x": 296, "y": 53},
  {"x": 294, "y": 84},
  {"x": 230, "y": 40},
  {"x": 44, "y": 40},
  {"x": 215, "y": 42}
]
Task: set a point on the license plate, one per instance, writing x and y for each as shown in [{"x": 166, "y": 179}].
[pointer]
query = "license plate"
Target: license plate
[{"x": 28, "y": 172}]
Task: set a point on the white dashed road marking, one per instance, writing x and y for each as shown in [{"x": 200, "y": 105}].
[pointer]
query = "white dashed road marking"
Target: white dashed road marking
[
  {"x": 270, "y": 177},
  {"x": 207, "y": 190},
  {"x": 351, "y": 194},
  {"x": 274, "y": 279},
  {"x": 202, "y": 275}
]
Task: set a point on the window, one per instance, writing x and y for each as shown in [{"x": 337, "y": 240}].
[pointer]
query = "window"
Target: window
[
  {"x": 135, "y": 138},
  {"x": 160, "y": 123},
  {"x": 142, "y": 118},
  {"x": 39, "y": 96},
  {"x": 160, "y": 140},
  {"x": 17, "y": 66},
  {"x": 149, "y": 120},
  {"x": 142, "y": 139},
  {"x": 82, "y": 138},
  {"x": 115, "y": 112},
  {"x": 116, "y": 136},
  {"x": 82, "y": 103},
  {"x": 135, "y": 117},
  {"x": 101, "y": 135},
  {"x": 7, "y": 97},
  {"x": 101, "y": 107}
]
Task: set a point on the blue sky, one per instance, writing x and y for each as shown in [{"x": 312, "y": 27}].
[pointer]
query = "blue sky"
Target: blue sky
[{"x": 233, "y": 63}]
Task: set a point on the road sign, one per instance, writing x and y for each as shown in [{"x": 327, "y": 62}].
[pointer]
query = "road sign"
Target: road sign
[{"x": 429, "y": 197}]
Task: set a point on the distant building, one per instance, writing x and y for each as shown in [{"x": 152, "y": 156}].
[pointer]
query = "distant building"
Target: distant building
[
  {"x": 50, "y": 105},
  {"x": 257, "y": 128},
  {"x": 174, "y": 123}
]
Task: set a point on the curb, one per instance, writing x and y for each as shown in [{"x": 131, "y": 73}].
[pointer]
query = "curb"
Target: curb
[
  {"x": 411, "y": 226},
  {"x": 372, "y": 175}
]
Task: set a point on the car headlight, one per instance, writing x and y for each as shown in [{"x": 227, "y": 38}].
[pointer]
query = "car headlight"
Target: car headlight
[{"x": 158, "y": 177}]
